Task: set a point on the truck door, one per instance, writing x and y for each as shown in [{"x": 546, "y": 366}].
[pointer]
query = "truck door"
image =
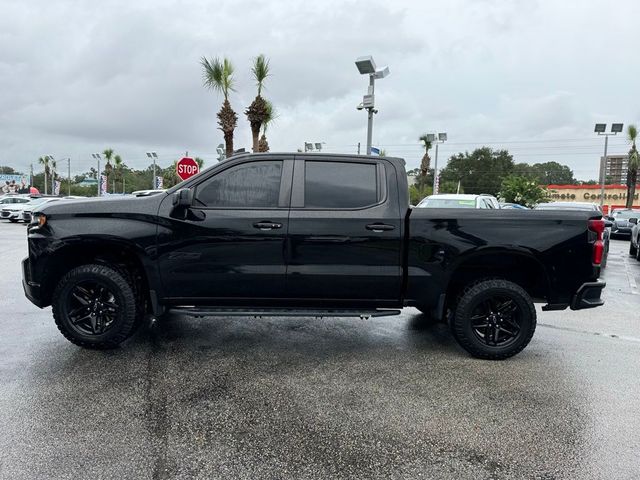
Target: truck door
[
  {"x": 230, "y": 244},
  {"x": 345, "y": 231}
]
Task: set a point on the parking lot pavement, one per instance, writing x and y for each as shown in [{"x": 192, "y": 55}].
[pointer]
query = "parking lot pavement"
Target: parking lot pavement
[{"x": 335, "y": 398}]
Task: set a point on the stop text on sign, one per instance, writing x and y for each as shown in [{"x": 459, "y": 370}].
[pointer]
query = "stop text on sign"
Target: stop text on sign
[{"x": 187, "y": 167}]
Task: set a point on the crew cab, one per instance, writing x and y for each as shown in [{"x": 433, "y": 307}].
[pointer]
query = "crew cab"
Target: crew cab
[{"x": 309, "y": 235}]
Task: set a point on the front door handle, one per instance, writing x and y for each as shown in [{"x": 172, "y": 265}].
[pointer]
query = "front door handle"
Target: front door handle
[
  {"x": 267, "y": 225},
  {"x": 380, "y": 227}
]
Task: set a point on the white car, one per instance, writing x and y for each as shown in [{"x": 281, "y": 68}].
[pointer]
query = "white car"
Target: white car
[
  {"x": 10, "y": 199},
  {"x": 14, "y": 212},
  {"x": 459, "y": 200}
]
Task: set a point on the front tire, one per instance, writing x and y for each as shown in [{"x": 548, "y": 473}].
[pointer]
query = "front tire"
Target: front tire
[
  {"x": 494, "y": 319},
  {"x": 632, "y": 249},
  {"x": 94, "y": 306}
]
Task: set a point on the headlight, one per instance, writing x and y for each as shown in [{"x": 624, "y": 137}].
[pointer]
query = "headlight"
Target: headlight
[{"x": 39, "y": 219}]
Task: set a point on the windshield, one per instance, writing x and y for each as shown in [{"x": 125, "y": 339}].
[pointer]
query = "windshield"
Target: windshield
[
  {"x": 447, "y": 203},
  {"x": 563, "y": 206},
  {"x": 626, "y": 214}
]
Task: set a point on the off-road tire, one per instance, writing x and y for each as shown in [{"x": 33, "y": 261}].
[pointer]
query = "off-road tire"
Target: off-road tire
[
  {"x": 471, "y": 297},
  {"x": 126, "y": 319}
]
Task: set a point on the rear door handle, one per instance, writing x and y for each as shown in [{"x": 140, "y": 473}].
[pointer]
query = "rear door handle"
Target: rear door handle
[
  {"x": 267, "y": 225},
  {"x": 379, "y": 227}
]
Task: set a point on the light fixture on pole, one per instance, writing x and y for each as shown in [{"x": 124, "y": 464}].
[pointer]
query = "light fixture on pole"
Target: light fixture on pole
[
  {"x": 366, "y": 66},
  {"x": 98, "y": 176},
  {"x": 154, "y": 156},
  {"x": 310, "y": 146},
  {"x": 221, "y": 152},
  {"x": 601, "y": 129},
  {"x": 441, "y": 138}
]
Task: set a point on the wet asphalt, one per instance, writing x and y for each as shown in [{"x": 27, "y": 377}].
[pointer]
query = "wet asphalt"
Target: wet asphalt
[{"x": 334, "y": 398}]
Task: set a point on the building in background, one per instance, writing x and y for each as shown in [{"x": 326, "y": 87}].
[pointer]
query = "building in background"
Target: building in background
[
  {"x": 615, "y": 168},
  {"x": 615, "y": 196}
]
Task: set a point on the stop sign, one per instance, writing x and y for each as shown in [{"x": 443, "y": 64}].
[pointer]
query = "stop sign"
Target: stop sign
[{"x": 187, "y": 167}]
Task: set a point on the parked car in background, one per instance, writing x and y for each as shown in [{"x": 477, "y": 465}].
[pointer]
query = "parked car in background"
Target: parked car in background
[
  {"x": 146, "y": 193},
  {"x": 10, "y": 199},
  {"x": 620, "y": 219},
  {"x": 459, "y": 200},
  {"x": 587, "y": 207},
  {"x": 513, "y": 205},
  {"x": 634, "y": 241},
  {"x": 14, "y": 212}
]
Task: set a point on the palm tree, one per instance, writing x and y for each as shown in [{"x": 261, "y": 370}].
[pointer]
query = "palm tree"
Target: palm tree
[
  {"x": 54, "y": 166},
  {"x": 44, "y": 161},
  {"x": 117, "y": 161},
  {"x": 257, "y": 112},
  {"x": 634, "y": 163},
  {"x": 426, "y": 160},
  {"x": 218, "y": 76},
  {"x": 270, "y": 116},
  {"x": 108, "y": 155}
]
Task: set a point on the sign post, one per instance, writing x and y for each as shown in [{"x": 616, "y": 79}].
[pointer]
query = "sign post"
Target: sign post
[{"x": 187, "y": 167}]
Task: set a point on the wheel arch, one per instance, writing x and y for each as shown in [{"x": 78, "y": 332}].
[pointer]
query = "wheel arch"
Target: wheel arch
[
  {"x": 518, "y": 266},
  {"x": 111, "y": 252}
]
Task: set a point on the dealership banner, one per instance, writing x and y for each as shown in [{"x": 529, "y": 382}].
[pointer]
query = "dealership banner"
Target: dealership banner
[
  {"x": 14, "y": 183},
  {"x": 103, "y": 184}
]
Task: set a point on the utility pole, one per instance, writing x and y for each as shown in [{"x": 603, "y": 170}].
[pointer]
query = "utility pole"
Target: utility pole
[
  {"x": 358, "y": 148},
  {"x": 69, "y": 174}
]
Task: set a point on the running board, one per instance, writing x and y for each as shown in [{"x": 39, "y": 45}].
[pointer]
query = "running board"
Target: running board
[{"x": 280, "y": 312}]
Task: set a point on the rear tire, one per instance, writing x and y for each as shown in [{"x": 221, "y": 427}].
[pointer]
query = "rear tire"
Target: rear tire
[
  {"x": 95, "y": 306},
  {"x": 633, "y": 251},
  {"x": 494, "y": 319}
]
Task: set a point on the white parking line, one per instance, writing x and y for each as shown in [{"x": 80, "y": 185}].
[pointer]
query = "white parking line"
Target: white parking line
[{"x": 632, "y": 281}]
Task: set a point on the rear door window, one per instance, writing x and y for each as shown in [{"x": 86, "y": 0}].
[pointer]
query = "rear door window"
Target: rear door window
[{"x": 336, "y": 185}]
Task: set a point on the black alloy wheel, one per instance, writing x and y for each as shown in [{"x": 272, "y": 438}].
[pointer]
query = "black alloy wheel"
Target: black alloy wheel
[
  {"x": 496, "y": 321},
  {"x": 91, "y": 308}
]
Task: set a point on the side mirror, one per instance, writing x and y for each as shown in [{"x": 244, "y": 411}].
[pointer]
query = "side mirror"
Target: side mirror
[
  {"x": 633, "y": 220},
  {"x": 182, "y": 198},
  {"x": 608, "y": 224}
]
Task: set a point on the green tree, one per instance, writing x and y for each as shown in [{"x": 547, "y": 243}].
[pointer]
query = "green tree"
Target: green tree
[
  {"x": 522, "y": 190},
  {"x": 44, "y": 161},
  {"x": 108, "y": 155},
  {"x": 218, "y": 76},
  {"x": 258, "y": 112},
  {"x": 634, "y": 163},
  {"x": 117, "y": 169},
  {"x": 426, "y": 160},
  {"x": 548, "y": 173},
  {"x": 480, "y": 171},
  {"x": 263, "y": 144}
]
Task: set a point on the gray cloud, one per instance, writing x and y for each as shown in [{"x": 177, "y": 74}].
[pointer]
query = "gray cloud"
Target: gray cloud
[{"x": 76, "y": 77}]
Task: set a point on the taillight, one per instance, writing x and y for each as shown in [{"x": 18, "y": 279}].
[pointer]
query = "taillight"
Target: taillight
[{"x": 597, "y": 226}]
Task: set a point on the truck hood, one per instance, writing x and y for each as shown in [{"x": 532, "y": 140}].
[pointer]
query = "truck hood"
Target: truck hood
[{"x": 101, "y": 206}]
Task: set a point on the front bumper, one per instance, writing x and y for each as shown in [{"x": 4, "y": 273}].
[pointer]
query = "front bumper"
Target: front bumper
[
  {"x": 588, "y": 296},
  {"x": 32, "y": 290},
  {"x": 7, "y": 215},
  {"x": 621, "y": 231}
]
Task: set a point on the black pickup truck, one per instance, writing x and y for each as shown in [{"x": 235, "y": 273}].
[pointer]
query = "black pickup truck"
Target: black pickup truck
[{"x": 308, "y": 235}]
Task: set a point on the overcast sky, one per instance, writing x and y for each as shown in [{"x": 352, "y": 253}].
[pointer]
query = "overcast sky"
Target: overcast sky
[{"x": 530, "y": 76}]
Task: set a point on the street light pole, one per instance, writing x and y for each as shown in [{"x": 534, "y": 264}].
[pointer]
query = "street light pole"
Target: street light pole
[
  {"x": 153, "y": 155},
  {"x": 98, "y": 176},
  {"x": 441, "y": 138},
  {"x": 69, "y": 175},
  {"x": 600, "y": 129},
  {"x": 370, "y": 110},
  {"x": 366, "y": 66}
]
